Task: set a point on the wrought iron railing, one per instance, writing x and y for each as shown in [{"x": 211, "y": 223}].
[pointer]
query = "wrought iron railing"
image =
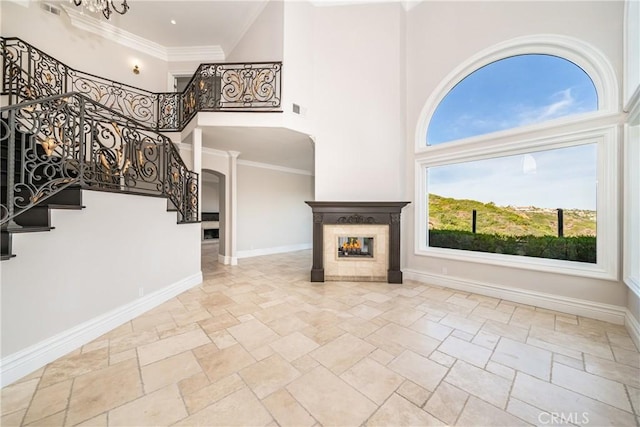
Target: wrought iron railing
[
  {"x": 70, "y": 139},
  {"x": 29, "y": 73}
]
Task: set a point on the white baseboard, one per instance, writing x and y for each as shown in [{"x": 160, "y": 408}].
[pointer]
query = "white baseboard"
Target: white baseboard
[
  {"x": 227, "y": 260},
  {"x": 23, "y": 362},
  {"x": 274, "y": 250},
  {"x": 633, "y": 327},
  {"x": 607, "y": 312}
]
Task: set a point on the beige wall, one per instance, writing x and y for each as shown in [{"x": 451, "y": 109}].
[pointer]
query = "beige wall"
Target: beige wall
[
  {"x": 80, "y": 49},
  {"x": 94, "y": 261},
  {"x": 298, "y": 68},
  {"x": 210, "y": 197},
  {"x": 263, "y": 40},
  {"x": 358, "y": 102},
  {"x": 271, "y": 210}
]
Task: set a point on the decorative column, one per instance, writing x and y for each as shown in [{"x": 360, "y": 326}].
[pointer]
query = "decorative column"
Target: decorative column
[{"x": 233, "y": 206}]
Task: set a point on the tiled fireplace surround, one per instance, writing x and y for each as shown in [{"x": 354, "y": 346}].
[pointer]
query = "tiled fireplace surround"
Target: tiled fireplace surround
[{"x": 380, "y": 220}]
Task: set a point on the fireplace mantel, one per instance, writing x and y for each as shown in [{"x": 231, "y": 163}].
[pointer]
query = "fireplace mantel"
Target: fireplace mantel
[{"x": 327, "y": 212}]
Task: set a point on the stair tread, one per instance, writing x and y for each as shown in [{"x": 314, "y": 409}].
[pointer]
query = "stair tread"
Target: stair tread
[
  {"x": 67, "y": 207},
  {"x": 26, "y": 229}
]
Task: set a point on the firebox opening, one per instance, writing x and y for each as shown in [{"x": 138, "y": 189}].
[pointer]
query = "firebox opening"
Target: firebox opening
[{"x": 359, "y": 247}]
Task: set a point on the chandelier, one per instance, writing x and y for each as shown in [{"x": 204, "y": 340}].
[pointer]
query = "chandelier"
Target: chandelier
[{"x": 104, "y": 6}]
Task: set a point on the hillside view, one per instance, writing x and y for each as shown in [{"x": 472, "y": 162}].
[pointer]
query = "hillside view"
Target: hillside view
[{"x": 455, "y": 214}]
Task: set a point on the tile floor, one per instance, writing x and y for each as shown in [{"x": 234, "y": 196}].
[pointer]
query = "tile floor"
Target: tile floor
[{"x": 257, "y": 344}]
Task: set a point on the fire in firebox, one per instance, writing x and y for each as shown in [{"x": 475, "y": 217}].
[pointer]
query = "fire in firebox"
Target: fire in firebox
[{"x": 355, "y": 247}]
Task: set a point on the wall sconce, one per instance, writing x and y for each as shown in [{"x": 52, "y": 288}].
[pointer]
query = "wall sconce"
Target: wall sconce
[{"x": 136, "y": 70}]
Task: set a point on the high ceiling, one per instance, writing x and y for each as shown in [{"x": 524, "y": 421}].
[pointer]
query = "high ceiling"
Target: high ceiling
[
  {"x": 198, "y": 23},
  {"x": 210, "y": 23}
]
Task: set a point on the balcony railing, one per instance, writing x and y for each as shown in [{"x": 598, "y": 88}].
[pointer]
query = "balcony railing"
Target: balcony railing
[
  {"x": 69, "y": 139},
  {"x": 29, "y": 73}
]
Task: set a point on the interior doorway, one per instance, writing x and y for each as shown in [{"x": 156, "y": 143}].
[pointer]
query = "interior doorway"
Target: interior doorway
[{"x": 213, "y": 216}]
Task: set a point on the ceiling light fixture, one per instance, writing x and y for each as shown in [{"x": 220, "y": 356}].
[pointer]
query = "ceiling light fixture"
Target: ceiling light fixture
[{"x": 104, "y": 6}]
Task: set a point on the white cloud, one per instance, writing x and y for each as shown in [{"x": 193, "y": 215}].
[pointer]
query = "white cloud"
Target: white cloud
[{"x": 562, "y": 104}]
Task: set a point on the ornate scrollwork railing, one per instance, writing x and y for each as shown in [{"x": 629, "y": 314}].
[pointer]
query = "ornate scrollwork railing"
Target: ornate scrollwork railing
[
  {"x": 30, "y": 74},
  {"x": 70, "y": 139}
]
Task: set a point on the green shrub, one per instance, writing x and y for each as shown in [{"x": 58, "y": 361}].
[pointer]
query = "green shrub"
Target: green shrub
[{"x": 580, "y": 248}]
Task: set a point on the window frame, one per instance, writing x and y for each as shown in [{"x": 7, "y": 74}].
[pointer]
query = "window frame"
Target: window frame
[{"x": 600, "y": 127}]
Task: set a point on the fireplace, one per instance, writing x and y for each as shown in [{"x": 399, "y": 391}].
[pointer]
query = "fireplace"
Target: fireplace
[{"x": 356, "y": 241}]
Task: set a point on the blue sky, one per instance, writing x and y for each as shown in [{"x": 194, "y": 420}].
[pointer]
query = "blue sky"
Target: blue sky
[{"x": 506, "y": 94}]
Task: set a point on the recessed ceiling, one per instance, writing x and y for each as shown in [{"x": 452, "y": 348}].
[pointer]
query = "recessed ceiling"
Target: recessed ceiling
[{"x": 273, "y": 146}]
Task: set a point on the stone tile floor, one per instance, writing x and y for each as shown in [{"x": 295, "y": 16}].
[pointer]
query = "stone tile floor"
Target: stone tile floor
[{"x": 257, "y": 344}]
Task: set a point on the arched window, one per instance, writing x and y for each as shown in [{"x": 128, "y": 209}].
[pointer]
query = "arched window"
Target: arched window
[
  {"x": 509, "y": 93},
  {"x": 515, "y": 165}
]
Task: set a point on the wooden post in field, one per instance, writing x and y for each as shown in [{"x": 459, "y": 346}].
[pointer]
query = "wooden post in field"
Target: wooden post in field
[
  {"x": 474, "y": 217},
  {"x": 560, "y": 223}
]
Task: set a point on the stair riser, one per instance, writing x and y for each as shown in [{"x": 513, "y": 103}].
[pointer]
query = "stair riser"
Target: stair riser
[
  {"x": 69, "y": 196},
  {"x": 5, "y": 243},
  {"x": 38, "y": 216}
]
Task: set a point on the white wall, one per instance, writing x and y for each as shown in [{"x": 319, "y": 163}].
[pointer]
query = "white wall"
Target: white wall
[
  {"x": 210, "y": 197},
  {"x": 440, "y": 36},
  {"x": 95, "y": 260},
  {"x": 271, "y": 212},
  {"x": 632, "y": 50},
  {"x": 359, "y": 102},
  {"x": 80, "y": 49},
  {"x": 298, "y": 66},
  {"x": 263, "y": 40}
]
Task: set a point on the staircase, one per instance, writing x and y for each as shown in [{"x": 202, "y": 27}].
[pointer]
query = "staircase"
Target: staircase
[
  {"x": 53, "y": 148},
  {"x": 38, "y": 217},
  {"x": 66, "y": 130}
]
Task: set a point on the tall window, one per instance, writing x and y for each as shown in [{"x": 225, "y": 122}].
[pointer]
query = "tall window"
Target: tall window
[
  {"x": 507, "y": 176},
  {"x": 512, "y": 92}
]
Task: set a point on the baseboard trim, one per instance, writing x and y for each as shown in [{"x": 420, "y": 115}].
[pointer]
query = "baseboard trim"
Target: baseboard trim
[
  {"x": 274, "y": 250},
  {"x": 633, "y": 327},
  {"x": 227, "y": 260},
  {"x": 19, "y": 364},
  {"x": 607, "y": 312}
]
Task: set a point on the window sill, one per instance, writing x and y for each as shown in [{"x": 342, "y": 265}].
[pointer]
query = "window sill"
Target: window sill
[{"x": 545, "y": 265}]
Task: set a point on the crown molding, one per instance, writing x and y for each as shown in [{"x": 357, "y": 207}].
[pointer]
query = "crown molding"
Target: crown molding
[
  {"x": 274, "y": 167},
  {"x": 212, "y": 151},
  {"x": 108, "y": 31},
  {"x": 195, "y": 53},
  {"x": 406, "y": 4}
]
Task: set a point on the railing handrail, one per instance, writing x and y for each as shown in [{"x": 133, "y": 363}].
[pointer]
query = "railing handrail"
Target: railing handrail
[
  {"x": 177, "y": 101},
  {"x": 204, "y": 64},
  {"x": 128, "y": 144},
  {"x": 137, "y": 124},
  {"x": 73, "y": 69}
]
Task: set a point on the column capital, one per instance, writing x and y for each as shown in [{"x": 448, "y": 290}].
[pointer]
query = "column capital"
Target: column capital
[{"x": 234, "y": 154}]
